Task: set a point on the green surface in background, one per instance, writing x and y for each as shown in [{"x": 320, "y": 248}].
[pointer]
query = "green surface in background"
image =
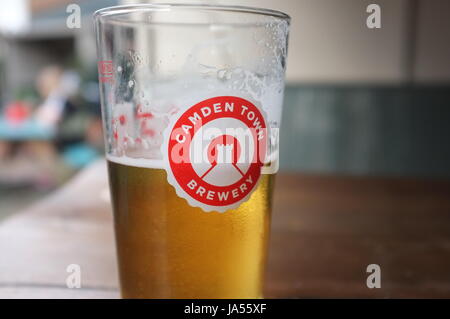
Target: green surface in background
[{"x": 400, "y": 131}]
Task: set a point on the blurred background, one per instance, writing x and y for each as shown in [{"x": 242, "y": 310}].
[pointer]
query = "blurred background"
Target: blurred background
[{"x": 358, "y": 101}]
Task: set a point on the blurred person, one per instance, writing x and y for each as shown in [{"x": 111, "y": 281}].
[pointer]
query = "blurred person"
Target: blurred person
[
  {"x": 28, "y": 149},
  {"x": 55, "y": 86}
]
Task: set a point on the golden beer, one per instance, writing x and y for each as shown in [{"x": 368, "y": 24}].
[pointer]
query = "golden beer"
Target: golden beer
[
  {"x": 168, "y": 249},
  {"x": 207, "y": 102}
]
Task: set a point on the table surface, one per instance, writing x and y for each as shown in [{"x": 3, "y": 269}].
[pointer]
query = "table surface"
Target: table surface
[{"x": 326, "y": 230}]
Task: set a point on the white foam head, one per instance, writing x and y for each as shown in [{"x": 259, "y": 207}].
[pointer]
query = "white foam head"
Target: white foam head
[{"x": 136, "y": 162}]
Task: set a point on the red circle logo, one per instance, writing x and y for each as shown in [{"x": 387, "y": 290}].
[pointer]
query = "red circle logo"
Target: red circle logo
[{"x": 214, "y": 152}]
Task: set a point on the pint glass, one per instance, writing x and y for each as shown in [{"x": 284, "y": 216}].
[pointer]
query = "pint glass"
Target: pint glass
[{"x": 191, "y": 104}]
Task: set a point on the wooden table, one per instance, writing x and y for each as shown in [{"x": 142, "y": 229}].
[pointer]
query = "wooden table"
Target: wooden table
[{"x": 326, "y": 230}]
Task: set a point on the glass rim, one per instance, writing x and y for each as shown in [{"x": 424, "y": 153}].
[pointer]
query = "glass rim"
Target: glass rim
[{"x": 113, "y": 11}]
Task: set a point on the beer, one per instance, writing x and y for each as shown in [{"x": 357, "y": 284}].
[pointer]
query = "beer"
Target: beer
[
  {"x": 168, "y": 249},
  {"x": 191, "y": 102}
]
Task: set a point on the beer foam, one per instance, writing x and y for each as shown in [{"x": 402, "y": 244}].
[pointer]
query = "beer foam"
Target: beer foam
[
  {"x": 136, "y": 162},
  {"x": 159, "y": 164}
]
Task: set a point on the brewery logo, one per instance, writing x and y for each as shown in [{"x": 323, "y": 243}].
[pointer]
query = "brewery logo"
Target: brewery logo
[
  {"x": 214, "y": 152},
  {"x": 105, "y": 70}
]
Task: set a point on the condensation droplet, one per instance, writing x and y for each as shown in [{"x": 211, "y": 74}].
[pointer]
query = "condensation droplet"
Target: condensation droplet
[{"x": 221, "y": 73}]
